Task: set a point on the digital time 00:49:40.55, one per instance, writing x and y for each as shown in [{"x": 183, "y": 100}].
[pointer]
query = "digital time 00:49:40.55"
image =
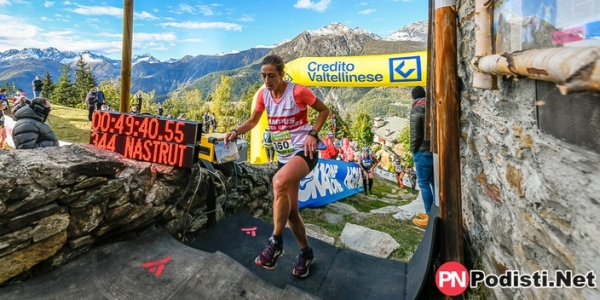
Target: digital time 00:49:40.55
[{"x": 143, "y": 127}]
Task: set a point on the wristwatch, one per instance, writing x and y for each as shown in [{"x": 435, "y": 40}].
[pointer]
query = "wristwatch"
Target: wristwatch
[{"x": 313, "y": 133}]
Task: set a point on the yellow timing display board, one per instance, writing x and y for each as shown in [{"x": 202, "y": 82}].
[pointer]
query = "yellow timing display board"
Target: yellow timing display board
[{"x": 400, "y": 69}]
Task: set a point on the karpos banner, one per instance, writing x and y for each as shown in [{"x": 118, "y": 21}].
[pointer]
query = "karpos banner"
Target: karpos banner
[{"x": 330, "y": 181}]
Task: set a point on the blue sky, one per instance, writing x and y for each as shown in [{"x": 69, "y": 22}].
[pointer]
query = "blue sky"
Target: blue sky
[{"x": 172, "y": 29}]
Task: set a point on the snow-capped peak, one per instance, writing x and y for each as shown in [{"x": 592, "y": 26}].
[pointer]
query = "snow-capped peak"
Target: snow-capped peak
[
  {"x": 147, "y": 57},
  {"x": 416, "y": 32},
  {"x": 337, "y": 28}
]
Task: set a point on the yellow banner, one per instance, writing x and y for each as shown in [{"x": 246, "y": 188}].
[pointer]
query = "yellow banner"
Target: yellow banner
[{"x": 400, "y": 69}]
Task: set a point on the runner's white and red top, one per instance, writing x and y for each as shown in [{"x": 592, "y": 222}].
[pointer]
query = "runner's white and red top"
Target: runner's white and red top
[{"x": 288, "y": 118}]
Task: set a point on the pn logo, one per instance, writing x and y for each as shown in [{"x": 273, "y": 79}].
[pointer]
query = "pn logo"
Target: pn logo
[{"x": 452, "y": 278}]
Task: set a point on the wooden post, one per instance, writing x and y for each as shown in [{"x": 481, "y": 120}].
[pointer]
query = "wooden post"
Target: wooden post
[
  {"x": 430, "y": 127},
  {"x": 126, "y": 56},
  {"x": 448, "y": 129}
]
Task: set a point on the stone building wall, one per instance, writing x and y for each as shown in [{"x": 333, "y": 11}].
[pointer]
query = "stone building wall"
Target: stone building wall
[
  {"x": 530, "y": 201},
  {"x": 56, "y": 203}
]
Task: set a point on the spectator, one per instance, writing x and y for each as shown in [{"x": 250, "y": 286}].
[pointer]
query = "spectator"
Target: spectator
[
  {"x": 138, "y": 100},
  {"x": 412, "y": 176},
  {"x": 22, "y": 103},
  {"x": 268, "y": 144},
  {"x": 213, "y": 122},
  {"x": 134, "y": 110},
  {"x": 367, "y": 163},
  {"x": 18, "y": 94},
  {"x": 3, "y": 97},
  {"x": 330, "y": 151},
  {"x": 398, "y": 172},
  {"x": 4, "y": 101},
  {"x": 160, "y": 110},
  {"x": 93, "y": 102},
  {"x": 423, "y": 157},
  {"x": 347, "y": 151},
  {"x": 206, "y": 119},
  {"x": 3, "y": 105},
  {"x": 30, "y": 131},
  {"x": 37, "y": 85}
]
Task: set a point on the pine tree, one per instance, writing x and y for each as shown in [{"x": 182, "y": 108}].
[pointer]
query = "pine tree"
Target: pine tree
[
  {"x": 362, "y": 129},
  {"x": 10, "y": 88},
  {"x": 112, "y": 92},
  {"x": 245, "y": 109},
  {"x": 63, "y": 92},
  {"x": 194, "y": 105},
  {"x": 84, "y": 79},
  {"x": 342, "y": 127},
  {"x": 48, "y": 87},
  {"x": 404, "y": 139},
  {"x": 174, "y": 105},
  {"x": 245, "y": 104},
  {"x": 222, "y": 107}
]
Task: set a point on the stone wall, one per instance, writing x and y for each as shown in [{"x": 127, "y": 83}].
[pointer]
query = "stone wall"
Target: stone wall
[
  {"x": 530, "y": 201},
  {"x": 56, "y": 203}
]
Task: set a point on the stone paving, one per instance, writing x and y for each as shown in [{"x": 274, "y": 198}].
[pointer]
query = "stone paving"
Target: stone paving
[{"x": 363, "y": 239}]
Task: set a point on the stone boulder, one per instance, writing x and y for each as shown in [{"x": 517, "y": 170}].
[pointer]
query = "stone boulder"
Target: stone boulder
[{"x": 368, "y": 241}]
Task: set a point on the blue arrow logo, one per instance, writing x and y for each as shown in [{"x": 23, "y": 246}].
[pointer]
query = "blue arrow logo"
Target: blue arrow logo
[
  {"x": 405, "y": 69},
  {"x": 398, "y": 70},
  {"x": 288, "y": 78}
]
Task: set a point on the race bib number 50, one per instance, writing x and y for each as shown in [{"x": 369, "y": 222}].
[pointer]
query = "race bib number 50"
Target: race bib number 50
[{"x": 282, "y": 142}]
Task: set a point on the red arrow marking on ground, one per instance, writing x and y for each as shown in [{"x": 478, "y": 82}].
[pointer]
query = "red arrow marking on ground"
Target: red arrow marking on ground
[
  {"x": 156, "y": 266},
  {"x": 251, "y": 231}
]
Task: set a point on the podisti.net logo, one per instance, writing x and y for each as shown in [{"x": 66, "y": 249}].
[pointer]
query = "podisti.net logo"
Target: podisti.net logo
[{"x": 452, "y": 279}]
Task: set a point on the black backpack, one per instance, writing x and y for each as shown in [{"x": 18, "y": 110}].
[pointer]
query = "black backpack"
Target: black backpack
[{"x": 100, "y": 97}]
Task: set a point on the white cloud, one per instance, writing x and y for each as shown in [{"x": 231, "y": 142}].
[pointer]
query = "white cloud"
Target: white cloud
[
  {"x": 99, "y": 10},
  {"x": 144, "y": 16},
  {"x": 10, "y": 25},
  {"x": 184, "y": 8},
  {"x": 4, "y": 3},
  {"x": 203, "y": 25},
  {"x": 366, "y": 11},
  {"x": 246, "y": 18},
  {"x": 109, "y": 11},
  {"x": 320, "y": 6},
  {"x": 192, "y": 40},
  {"x": 142, "y": 37},
  {"x": 205, "y": 10},
  {"x": 48, "y": 4},
  {"x": 35, "y": 37}
]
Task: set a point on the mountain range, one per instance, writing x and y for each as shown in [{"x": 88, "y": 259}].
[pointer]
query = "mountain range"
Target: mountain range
[{"x": 149, "y": 73}]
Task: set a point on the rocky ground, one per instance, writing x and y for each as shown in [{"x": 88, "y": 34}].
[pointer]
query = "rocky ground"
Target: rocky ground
[{"x": 378, "y": 224}]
